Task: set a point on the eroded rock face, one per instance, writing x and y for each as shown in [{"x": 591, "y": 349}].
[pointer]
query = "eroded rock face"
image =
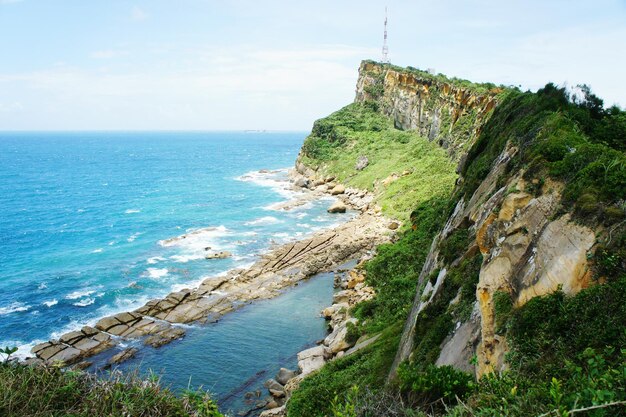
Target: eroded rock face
[
  {"x": 426, "y": 105},
  {"x": 526, "y": 255}
]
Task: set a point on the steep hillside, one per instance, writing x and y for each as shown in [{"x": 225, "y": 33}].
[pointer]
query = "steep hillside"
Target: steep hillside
[{"x": 505, "y": 293}]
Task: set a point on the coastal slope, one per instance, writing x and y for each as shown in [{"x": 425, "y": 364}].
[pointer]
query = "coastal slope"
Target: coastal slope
[{"x": 510, "y": 201}]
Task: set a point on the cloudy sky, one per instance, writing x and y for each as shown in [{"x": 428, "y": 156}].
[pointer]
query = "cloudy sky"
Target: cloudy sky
[{"x": 279, "y": 65}]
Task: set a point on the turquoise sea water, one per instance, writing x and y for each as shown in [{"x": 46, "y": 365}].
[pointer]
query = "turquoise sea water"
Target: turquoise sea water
[{"x": 84, "y": 217}]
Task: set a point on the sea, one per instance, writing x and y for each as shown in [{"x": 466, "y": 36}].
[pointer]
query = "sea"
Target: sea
[{"x": 85, "y": 219}]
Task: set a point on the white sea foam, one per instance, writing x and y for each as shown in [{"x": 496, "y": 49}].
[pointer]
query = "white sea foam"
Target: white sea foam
[
  {"x": 276, "y": 180},
  {"x": 23, "y": 348},
  {"x": 99, "y": 250},
  {"x": 79, "y": 294},
  {"x": 132, "y": 211},
  {"x": 197, "y": 239},
  {"x": 154, "y": 260},
  {"x": 156, "y": 273},
  {"x": 85, "y": 302},
  {"x": 113, "y": 242},
  {"x": 134, "y": 236},
  {"x": 42, "y": 286},
  {"x": 263, "y": 221},
  {"x": 186, "y": 258},
  {"x": 51, "y": 303},
  {"x": 14, "y": 307}
]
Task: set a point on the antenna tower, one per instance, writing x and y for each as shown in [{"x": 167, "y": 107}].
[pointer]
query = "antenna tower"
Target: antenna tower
[{"x": 385, "y": 47}]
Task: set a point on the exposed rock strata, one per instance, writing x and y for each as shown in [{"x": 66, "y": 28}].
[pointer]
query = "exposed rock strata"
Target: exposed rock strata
[{"x": 157, "y": 322}]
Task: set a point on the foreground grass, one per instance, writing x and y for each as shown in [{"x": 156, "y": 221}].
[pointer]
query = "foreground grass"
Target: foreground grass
[{"x": 38, "y": 392}]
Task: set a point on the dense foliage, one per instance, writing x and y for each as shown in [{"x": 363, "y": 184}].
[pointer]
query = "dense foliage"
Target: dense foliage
[
  {"x": 51, "y": 391},
  {"x": 566, "y": 353}
]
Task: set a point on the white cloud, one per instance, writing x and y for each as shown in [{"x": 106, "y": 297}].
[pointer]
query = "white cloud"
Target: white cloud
[
  {"x": 236, "y": 88},
  {"x": 138, "y": 14}
]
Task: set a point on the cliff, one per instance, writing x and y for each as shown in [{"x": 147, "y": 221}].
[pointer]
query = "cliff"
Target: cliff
[
  {"x": 536, "y": 214},
  {"x": 448, "y": 112}
]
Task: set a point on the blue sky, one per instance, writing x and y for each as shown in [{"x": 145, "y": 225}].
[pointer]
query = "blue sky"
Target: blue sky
[{"x": 279, "y": 65}]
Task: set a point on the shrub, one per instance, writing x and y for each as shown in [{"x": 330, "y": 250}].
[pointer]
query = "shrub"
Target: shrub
[{"x": 434, "y": 383}]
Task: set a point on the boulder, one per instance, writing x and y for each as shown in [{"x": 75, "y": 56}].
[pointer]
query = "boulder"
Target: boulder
[
  {"x": 218, "y": 255},
  {"x": 361, "y": 163},
  {"x": 274, "y": 412},
  {"x": 338, "y": 189},
  {"x": 310, "y": 360},
  {"x": 337, "y": 207},
  {"x": 393, "y": 225},
  {"x": 284, "y": 375},
  {"x": 336, "y": 341},
  {"x": 122, "y": 356},
  {"x": 302, "y": 182},
  {"x": 355, "y": 278}
]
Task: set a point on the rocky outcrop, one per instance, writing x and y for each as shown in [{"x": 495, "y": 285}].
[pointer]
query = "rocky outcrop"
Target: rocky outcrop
[
  {"x": 158, "y": 321},
  {"x": 442, "y": 111},
  {"x": 529, "y": 249}
]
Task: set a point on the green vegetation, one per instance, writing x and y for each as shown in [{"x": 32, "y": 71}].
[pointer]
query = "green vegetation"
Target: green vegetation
[
  {"x": 566, "y": 353},
  {"x": 417, "y": 170},
  {"x": 563, "y": 139},
  {"x": 50, "y": 391}
]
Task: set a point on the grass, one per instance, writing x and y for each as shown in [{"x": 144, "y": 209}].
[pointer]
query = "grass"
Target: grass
[
  {"x": 423, "y": 169},
  {"x": 50, "y": 391}
]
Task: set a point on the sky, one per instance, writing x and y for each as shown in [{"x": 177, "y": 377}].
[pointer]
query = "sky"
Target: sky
[{"x": 279, "y": 65}]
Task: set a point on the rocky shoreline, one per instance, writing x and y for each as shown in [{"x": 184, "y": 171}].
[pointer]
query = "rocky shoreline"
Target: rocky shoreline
[{"x": 161, "y": 321}]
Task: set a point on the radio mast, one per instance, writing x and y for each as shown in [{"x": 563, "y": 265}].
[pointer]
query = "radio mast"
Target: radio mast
[{"x": 385, "y": 47}]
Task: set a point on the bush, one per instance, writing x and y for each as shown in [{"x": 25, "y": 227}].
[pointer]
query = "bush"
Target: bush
[{"x": 434, "y": 383}]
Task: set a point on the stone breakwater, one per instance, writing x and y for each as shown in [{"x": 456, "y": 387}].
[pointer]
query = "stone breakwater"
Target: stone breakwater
[{"x": 160, "y": 321}]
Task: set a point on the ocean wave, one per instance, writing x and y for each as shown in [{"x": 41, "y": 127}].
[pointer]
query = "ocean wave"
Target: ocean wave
[
  {"x": 262, "y": 221},
  {"x": 276, "y": 180},
  {"x": 134, "y": 236},
  {"x": 154, "y": 260},
  {"x": 99, "y": 250},
  {"x": 23, "y": 348},
  {"x": 14, "y": 307},
  {"x": 198, "y": 238},
  {"x": 85, "y": 302},
  {"x": 42, "y": 286},
  {"x": 132, "y": 211},
  {"x": 51, "y": 303},
  {"x": 186, "y": 258},
  {"x": 79, "y": 294},
  {"x": 156, "y": 273}
]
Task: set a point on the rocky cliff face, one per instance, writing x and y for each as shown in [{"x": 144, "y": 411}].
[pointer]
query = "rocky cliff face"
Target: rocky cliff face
[
  {"x": 529, "y": 244},
  {"x": 445, "y": 112},
  {"x": 529, "y": 249}
]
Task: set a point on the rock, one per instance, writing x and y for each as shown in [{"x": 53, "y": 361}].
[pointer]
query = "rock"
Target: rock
[
  {"x": 272, "y": 384},
  {"x": 337, "y": 207},
  {"x": 284, "y": 375},
  {"x": 393, "y": 225},
  {"x": 310, "y": 360},
  {"x": 390, "y": 179},
  {"x": 274, "y": 412},
  {"x": 122, "y": 356},
  {"x": 318, "y": 182},
  {"x": 277, "y": 393},
  {"x": 218, "y": 255},
  {"x": 361, "y": 163},
  {"x": 302, "y": 182},
  {"x": 338, "y": 189},
  {"x": 355, "y": 278},
  {"x": 336, "y": 341},
  {"x": 165, "y": 337}
]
